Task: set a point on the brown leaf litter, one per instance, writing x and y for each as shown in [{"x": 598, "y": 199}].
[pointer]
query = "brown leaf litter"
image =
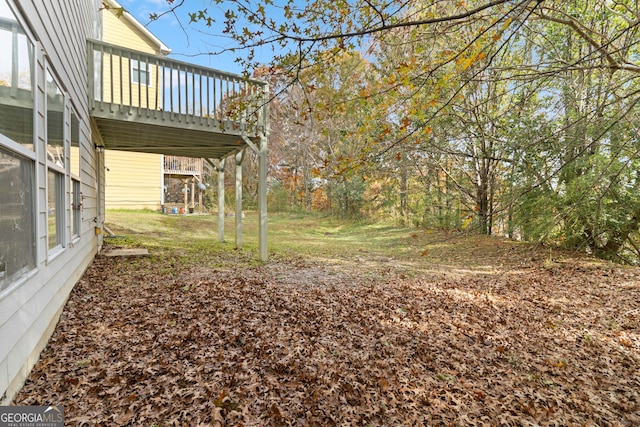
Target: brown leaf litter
[{"x": 298, "y": 343}]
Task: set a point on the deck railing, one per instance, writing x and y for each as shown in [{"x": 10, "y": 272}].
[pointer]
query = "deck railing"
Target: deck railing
[
  {"x": 20, "y": 74},
  {"x": 176, "y": 165},
  {"x": 128, "y": 82}
]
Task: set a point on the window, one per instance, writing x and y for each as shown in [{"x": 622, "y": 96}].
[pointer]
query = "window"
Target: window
[
  {"x": 17, "y": 222},
  {"x": 56, "y": 161},
  {"x": 16, "y": 80},
  {"x": 74, "y": 150},
  {"x": 76, "y": 208},
  {"x": 140, "y": 72},
  {"x": 74, "y": 160},
  {"x": 55, "y": 208},
  {"x": 17, "y": 155}
]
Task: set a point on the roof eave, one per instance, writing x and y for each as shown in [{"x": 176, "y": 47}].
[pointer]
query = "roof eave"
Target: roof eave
[{"x": 162, "y": 48}]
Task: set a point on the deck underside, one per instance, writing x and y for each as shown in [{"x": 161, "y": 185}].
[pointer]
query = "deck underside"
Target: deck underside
[{"x": 175, "y": 137}]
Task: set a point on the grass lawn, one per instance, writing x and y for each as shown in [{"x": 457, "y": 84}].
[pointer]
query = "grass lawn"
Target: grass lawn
[
  {"x": 308, "y": 234},
  {"x": 350, "y": 324},
  {"x": 321, "y": 238}
]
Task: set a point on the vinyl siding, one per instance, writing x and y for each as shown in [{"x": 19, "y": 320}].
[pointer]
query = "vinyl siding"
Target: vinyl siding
[
  {"x": 133, "y": 180},
  {"x": 121, "y": 32},
  {"x": 118, "y": 31},
  {"x": 30, "y": 308}
]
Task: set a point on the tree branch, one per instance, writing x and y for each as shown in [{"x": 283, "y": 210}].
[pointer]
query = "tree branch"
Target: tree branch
[
  {"x": 416, "y": 23},
  {"x": 578, "y": 28}
]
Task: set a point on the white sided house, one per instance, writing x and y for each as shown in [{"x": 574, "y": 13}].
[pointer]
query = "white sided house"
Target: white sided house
[{"x": 67, "y": 96}]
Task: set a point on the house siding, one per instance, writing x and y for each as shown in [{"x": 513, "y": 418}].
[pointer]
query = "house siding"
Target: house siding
[
  {"x": 116, "y": 30},
  {"x": 30, "y": 307},
  {"x": 133, "y": 180}
]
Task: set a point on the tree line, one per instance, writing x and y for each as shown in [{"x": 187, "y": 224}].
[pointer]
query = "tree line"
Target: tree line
[{"x": 514, "y": 118}]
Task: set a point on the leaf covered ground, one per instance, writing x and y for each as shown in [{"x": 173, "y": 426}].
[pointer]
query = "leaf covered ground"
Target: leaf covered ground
[{"x": 359, "y": 341}]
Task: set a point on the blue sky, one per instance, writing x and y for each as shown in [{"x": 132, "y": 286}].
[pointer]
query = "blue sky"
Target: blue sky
[{"x": 193, "y": 43}]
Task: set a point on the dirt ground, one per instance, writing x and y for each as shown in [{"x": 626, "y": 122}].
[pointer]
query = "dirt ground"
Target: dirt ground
[{"x": 356, "y": 341}]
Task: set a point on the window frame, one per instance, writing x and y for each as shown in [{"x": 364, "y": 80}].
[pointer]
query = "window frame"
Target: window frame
[
  {"x": 136, "y": 72},
  {"x": 75, "y": 199},
  {"x": 59, "y": 213},
  {"x": 74, "y": 180},
  {"x": 32, "y": 42},
  {"x": 28, "y": 153},
  {"x": 16, "y": 147},
  {"x": 59, "y": 171},
  {"x": 34, "y": 240}
]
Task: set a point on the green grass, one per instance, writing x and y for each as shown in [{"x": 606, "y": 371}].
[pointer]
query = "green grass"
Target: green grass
[
  {"x": 288, "y": 234},
  {"x": 194, "y": 239},
  {"x": 326, "y": 236}
]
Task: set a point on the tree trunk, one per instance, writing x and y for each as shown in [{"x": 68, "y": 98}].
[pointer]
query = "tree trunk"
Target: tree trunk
[
  {"x": 482, "y": 203},
  {"x": 403, "y": 195},
  {"x": 482, "y": 196}
]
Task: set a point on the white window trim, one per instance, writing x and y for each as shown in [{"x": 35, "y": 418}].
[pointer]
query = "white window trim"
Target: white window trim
[
  {"x": 6, "y": 142},
  {"x": 34, "y": 270},
  {"x": 73, "y": 178},
  {"x": 32, "y": 155},
  {"x": 17, "y": 148},
  {"x": 23, "y": 22},
  {"x": 75, "y": 222},
  {"x": 61, "y": 199},
  {"x": 61, "y": 227},
  {"x": 74, "y": 112}
]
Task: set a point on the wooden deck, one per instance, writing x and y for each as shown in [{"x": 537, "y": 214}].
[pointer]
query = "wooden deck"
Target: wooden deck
[
  {"x": 152, "y": 104},
  {"x": 179, "y": 108}
]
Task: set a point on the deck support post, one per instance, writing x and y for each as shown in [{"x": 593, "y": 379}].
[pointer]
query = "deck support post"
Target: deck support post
[
  {"x": 262, "y": 198},
  {"x": 185, "y": 190},
  {"x": 261, "y": 150},
  {"x": 262, "y": 183},
  {"x": 193, "y": 194},
  {"x": 162, "y": 184},
  {"x": 239, "y": 158},
  {"x": 220, "y": 170}
]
